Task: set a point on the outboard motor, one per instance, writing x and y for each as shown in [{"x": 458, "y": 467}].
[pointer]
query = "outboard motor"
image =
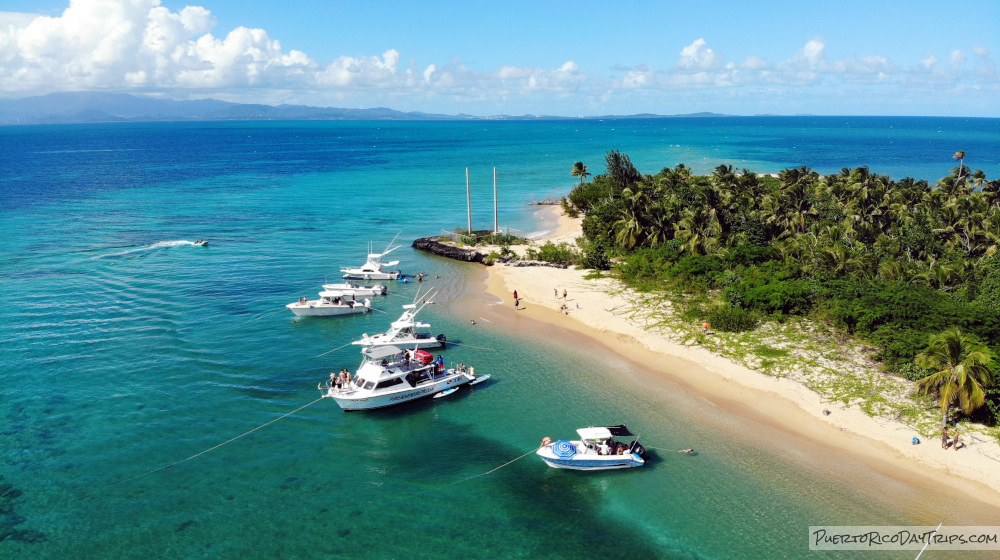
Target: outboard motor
[
  {"x": 638, "y": 449},
  {"x": 384, "y": 290},
  {"x": 442, "y": 339}
]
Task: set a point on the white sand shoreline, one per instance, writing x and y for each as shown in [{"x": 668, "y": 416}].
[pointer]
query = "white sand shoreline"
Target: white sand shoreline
[{"x": 782, "y": 402}]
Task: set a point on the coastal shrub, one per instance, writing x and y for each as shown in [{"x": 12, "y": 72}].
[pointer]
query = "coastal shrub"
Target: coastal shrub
[
  {"x": 561, "y": 254},
  {"x": 587, "y": 196},
  {"x": 746, "y": 254},
  {"x": 989, "y": 287},
  {"x": 765, "y": 351},
  {"x": 787, "y": 297},
  {"x": 647, "y": 269},
  {"x": 732, "y": 319},
  {"x": 595, "y": 224},
  {"x": 596, "y": 256},
  {"x": 570, "y": 210},
  {"x": 699, "y": 270}
]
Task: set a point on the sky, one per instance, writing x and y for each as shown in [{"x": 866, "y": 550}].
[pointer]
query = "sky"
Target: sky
[{"x": 579, "y": 58}]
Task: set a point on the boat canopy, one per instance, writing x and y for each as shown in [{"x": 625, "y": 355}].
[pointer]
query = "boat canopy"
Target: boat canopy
[
  {"x": 332, "y": 293},
  {"x": 376, "y": 352},
  {"x": 604, "y": 432},
  {"x": 405, "y": 324}
]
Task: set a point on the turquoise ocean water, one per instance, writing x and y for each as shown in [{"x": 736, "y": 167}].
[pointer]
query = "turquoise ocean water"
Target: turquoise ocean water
[{"x": 123, "y": 349}]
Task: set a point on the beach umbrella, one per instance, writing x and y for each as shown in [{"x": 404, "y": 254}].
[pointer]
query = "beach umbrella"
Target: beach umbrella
[{"x": 564, "y": 449}]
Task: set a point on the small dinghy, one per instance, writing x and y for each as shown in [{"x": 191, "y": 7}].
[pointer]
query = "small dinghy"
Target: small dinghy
[{"x": 599, "y": 448}]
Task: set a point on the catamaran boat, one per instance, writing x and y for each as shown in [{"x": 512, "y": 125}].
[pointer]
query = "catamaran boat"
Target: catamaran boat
[
  {"x": 375, "y": 268},
  {"x": 357, "y": 290},
  {"x": 599, "y": 448},
  {"x": 406, "y": 332},
  {"x": 330, "y": 303},
  {"x": 388, "y": 376}
]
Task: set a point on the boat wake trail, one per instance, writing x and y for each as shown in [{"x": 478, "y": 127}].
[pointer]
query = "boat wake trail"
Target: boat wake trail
[{"x": 145, "y": 249}]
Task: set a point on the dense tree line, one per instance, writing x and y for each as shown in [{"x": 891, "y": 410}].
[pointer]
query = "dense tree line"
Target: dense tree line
[{"x": 892, "y": 262}]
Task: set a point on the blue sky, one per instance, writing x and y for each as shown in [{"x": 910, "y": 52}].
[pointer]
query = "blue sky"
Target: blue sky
[{"x": 514, "y": 57}]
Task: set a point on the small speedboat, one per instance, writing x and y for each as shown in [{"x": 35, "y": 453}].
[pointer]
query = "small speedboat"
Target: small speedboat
[
  {"x": 374, "y": 268},
  {"x": 330, "y": 303},
  {"x": 357, "y": 290},
  {"x": 200, "y": 243},
  {"x": 389, "y": 376},
  {"x": 599, "y": 448}
]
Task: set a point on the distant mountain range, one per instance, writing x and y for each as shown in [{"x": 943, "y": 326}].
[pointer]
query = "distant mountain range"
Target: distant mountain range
[{"x": 80, "y": 107}]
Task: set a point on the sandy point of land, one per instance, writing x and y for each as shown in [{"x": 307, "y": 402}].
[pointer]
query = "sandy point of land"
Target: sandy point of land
[{"x": 594, "y": 309}]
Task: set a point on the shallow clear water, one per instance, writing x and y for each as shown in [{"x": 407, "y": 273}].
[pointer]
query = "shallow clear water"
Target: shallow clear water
[{"x": 125, "y": 349}]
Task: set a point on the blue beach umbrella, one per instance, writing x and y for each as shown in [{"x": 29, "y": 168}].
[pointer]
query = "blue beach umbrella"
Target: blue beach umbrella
[{"x": 564, "y": 449}]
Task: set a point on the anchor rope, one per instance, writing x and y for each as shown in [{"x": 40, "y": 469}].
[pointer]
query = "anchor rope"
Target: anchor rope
[
  {"x": 471, "y": 346},
  {"x": 496, "y": 469},
  {"x": 334, "y": 350},
  {"x": 217, "y": 446},
  {"x": 264, "y": 316}
]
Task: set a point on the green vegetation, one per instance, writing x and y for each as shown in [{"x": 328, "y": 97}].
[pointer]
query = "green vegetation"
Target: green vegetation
[
  {"x": 488, "y": 238},
  {"x": 889, "y": 264},
  {"x": 561, "y": 254}
]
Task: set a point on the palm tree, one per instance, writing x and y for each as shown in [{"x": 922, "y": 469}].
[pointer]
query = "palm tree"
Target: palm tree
[
  {"x": 579, "y": 170},
  {"x": 960, "y": 156},
  {"x": 963, "y": 369}
]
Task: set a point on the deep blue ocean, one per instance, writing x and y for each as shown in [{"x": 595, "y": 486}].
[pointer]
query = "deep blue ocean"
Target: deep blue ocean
[{"x": 123, "y": 348}]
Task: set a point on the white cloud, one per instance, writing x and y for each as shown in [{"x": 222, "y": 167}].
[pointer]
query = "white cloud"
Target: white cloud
[
  {"x": 957, "y": 58},
  {"x": 696, "y": 57}
]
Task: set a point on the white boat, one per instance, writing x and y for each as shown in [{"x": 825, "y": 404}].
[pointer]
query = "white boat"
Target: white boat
[
  {"x": 406, "y": 332},
  {"x": 330, "y": 303},
  {"x": 597, "y": 449},
  {"x": 386, "y": 378},
  {"x": 375, "y": 268},
  {"x": 357, "y": 290}
]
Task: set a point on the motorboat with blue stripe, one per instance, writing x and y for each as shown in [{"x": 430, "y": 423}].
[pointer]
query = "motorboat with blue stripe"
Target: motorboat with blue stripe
[{"x": 599, "y": 448}]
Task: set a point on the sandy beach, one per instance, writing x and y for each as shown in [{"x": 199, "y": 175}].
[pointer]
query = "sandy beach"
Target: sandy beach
[{"x": 884, "y": 444}]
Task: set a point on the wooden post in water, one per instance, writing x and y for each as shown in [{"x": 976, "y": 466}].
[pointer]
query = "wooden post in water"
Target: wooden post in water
[
  {"x": 496, "y": 223},
  {"x": 468, "y": 198}
]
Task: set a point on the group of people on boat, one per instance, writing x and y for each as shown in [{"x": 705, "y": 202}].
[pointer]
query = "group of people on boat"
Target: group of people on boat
[
  {"x": 611, "y": 447},
  {"x": 341, "y": 380}
]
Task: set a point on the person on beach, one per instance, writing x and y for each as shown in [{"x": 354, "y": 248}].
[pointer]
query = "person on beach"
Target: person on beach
[
  {"x": 564, "y": 293},
  {"x": 944, "y": 437},
  {"x": 704, "y": 327},
  {"x": 956, "y": 443},
  {"x": 515, "y": 295},
  {"x": 555, "y": 292}
]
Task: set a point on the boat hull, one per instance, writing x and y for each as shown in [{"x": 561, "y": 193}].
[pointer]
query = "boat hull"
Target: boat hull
[
  {"x": 360, "y": 275},
  {"x": 306, "y": 310},
  {"x": 370, "y": 402},
  {"x": 589, "y": 461}
]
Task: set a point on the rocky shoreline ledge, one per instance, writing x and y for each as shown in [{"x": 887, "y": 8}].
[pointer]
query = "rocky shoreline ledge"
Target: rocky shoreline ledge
[{"x": 435, "y": 247}]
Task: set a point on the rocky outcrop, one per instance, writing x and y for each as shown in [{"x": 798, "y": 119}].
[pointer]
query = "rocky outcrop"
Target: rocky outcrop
[
  {"x": 433, "y": 246},
  {"x": 535, "y": 263}
]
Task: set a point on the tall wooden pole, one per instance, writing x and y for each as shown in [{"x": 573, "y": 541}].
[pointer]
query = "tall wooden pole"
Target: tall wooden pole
[
  {"x": 468, "y": 198},
  {"x": 496, "y": 222}
]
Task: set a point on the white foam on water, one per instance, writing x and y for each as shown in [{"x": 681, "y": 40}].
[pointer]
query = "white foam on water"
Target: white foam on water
[{"x": 154, "y": 246}]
